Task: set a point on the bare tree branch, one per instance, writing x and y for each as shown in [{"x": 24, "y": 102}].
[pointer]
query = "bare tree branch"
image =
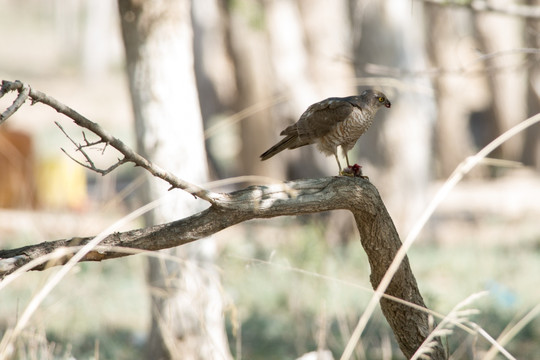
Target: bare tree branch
[
  {"x": 377, "y": 233},
  {"x": 106, "y": 138},
  {"x": 89, "y": 162},
  {"x": 24, "y": 91}
]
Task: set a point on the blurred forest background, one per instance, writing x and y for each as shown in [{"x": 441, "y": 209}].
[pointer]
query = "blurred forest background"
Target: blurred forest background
[{"x": 457, "y": 76}]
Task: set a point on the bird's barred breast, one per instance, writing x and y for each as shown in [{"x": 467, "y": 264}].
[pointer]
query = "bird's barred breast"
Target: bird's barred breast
[
  {"x": 346, "y": 132},
  {"x": 351, "y": 128}
]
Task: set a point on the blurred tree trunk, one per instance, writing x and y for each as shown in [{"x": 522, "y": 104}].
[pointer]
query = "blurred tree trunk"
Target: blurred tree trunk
[
  {"x": 395, "y": 151},
  {"x": 215, "y": 74},
  {"x": 506, "y": 74},
  {"x": 187, "y": 320},
  {"x": 290, "y": 68},
  {"x": 329, "y": 50},
  {"x": 458, "y": 94},
  {"x": 531, "y": 150},
  {"x": 97, "y": 54},
  {"x": 328, "y": 69},
  {"x": 293, "y": 49},
  {"x": 254, "y": 80},
  {"x": 329, "y": 47}
]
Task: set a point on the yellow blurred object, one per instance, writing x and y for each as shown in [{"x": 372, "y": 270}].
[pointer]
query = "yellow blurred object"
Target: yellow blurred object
[{"x": 61, "y": 184}]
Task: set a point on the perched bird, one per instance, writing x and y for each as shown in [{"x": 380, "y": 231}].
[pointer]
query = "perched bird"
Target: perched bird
[{"x": 331, "y": 123}]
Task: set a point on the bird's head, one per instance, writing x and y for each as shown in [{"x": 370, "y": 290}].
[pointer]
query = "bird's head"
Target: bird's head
[{"x": 375, "y": 99}]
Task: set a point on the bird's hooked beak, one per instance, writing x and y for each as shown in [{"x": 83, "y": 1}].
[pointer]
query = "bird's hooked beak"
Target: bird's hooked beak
[{"x": 387, "y": 103}]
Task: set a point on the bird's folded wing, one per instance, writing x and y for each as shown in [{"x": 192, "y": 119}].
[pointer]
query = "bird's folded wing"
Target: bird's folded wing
[{"x": 320, "y": 118}]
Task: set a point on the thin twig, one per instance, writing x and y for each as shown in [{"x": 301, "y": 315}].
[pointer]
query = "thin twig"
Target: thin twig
[
  {"x": 24, "y": 91},
  {"x": 89, "y": 163},
  {"x": 249, "y": 111},
  {"x": 466, "y": 69},
  {"x": 108, "y": 139}
]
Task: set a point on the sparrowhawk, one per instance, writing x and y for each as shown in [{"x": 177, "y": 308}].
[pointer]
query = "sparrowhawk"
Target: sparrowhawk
[{"x": 331, "y": 123}]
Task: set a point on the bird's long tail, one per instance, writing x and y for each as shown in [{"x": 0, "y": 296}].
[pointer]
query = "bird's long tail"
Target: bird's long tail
[{"x": 285, "y": 143}]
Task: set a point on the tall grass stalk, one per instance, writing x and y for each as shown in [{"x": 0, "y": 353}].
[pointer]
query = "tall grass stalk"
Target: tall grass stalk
[
  {"x": 444, "y": 328},
  {"x": 508, "y": 334},
  {"x": 357, "y": 286}
]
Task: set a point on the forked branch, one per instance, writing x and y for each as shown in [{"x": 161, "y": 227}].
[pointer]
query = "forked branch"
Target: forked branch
[
  {"x": 25, "y": 92},
  {"x": 81, "y": 148}
]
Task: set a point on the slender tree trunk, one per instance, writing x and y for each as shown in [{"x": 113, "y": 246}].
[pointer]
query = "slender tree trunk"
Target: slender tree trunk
[
  {"x": 186, "y": 301},
  {"x": 290, "y": 71},
  {"x": 329, "y": 47},
  {"x": 457, "y": 94},
  {"x": 251, "y": 55},
  {"x": 531, "y": 149},
  {"x": 506, "y": 74},
  {"x": 215, "y": 74}
]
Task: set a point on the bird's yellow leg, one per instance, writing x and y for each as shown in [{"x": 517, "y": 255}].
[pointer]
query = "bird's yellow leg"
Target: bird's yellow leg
[
  {"x": 347, "y": 171},
  {"x": 347, "y": 158},
  {"x": 338, "y": 163},
  {"x": 341, "y": 172}
]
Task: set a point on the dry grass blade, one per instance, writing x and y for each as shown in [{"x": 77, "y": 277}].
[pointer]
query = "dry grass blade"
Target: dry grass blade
[
  {"x": 354, "y": 285},
  {"x": 444, "y": 328},
  {"x": 463, "y": 168},
  {"x": 493, "y": 342},
  {"x": 6, "y": 345},
  {"x": 506, "y": 336},
  {"x": 241, "y": 115}
]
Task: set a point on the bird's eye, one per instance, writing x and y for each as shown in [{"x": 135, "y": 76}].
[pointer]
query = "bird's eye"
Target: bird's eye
[{"x": 381, "y": 99}]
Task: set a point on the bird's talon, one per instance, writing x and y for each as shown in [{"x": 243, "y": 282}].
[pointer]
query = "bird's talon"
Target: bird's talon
[
  {"x": 346, "y": 173},
  {"x": 353, "y": 171}
]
